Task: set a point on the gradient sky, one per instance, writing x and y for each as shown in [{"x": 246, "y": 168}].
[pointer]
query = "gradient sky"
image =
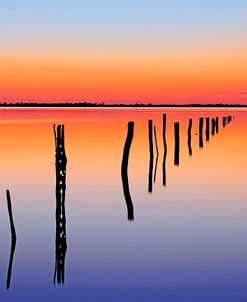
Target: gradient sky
[{"x": 123, "y": 51}]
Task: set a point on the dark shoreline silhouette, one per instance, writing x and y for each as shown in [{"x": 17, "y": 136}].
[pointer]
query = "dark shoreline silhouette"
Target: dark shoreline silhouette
[{"x": 120, "y": 105}]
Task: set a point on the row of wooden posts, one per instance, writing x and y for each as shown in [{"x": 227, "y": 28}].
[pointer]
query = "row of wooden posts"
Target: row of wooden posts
[
  {"x": 152, "y": 132},
  {"x": 61, "y": 162}
]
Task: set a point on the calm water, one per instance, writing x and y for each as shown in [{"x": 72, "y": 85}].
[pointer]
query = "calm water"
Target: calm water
[{"x": 187, "y": 240}]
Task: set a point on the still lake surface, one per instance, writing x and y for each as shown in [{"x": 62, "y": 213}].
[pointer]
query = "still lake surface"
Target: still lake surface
[{"x": 188, "y": 238}]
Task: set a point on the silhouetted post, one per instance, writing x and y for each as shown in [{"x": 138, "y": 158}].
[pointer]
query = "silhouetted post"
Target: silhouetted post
[
  {"x": 13, "y": 240},
  {"x": 61, "y": 243},
  {"x": 11, "y": 221},
  {"x": 224, "y": 121},
  {"x": 213, "y": 126},
  {"x": 207, "y": 128},
  {"x": 217, "y": 124},
  {"x": 201, "y": 132},
  {"x": 177, "y": 144},
  {"x": 189, "y": 137},
  {"x": 124, "y": 170},
  {"x": 165, "y": 149},
  {"x": 157, "y": 154},
  {"x": 151, "y": 153}
]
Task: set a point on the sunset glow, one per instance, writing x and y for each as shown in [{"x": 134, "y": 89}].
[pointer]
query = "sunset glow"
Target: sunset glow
[{"x": 135, "y": 51}]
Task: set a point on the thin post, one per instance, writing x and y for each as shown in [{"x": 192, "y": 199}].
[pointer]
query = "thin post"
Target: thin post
[
  {"x": 217, "y": 124},
  {"x": 165, "y": 149},
  {"x": 124, "y": 171},
  {"x": 177, "y": 144},
  {"x": 201, "y": 132},
  {"x": 157, "y": 154},
  {"x": 207, "y": 128},
  {"x": 213, "y": 126},
  {"x": 224, "y": 121},
  {"x": 151, "y": 154},
  {"x": 189, "y": 136},
  {"x": 11, "y": 221}
]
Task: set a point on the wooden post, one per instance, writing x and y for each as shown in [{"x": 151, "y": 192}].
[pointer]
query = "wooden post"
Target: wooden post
[
  {"x": 201, "y": 132},
  {"x": 165, "y": 149},
  {"x": 11, "y": 221},
  {"x": 61, "y": 242},
  {"x": 213, "y": 126},
  {"x": 151, "y": 154},
  {"x": 217, "y": 124},
  {"x": 207, "y": 128},
  {"x": 157, "y": 154},
  {"x": 13, "y": 240},
  {"x": 224, "y": 121},
  {"x": 177, "y": 144},
  {"x": 124, "y": 171},
  {"x": 189, "y": 137}
]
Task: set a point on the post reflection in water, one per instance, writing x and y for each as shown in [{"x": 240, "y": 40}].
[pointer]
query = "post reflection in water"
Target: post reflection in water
[
  {"x": 61, "y": 244},
  {"x": 13, "y": 240},
  {"x": 165, "y": 150},
  {"x": 177, "y": 143},
  {"x": 189, "y": 137},
  {"x": 124, "y": 170}
]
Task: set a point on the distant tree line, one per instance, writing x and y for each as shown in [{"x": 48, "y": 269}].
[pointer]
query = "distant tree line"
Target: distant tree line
[{"x": 102, "y": 104}]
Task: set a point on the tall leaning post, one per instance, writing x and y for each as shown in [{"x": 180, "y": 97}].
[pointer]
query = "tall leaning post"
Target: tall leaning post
[{"x": 124, "y": 171}]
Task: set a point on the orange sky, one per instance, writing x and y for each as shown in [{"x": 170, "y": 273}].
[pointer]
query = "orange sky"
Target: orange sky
[{"x": 208, "y": 77}]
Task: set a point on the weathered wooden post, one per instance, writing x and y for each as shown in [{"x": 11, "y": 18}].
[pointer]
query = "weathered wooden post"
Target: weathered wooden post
[
  {"x": 201, "y": 132},
  {"x": 207, "y": 128},
  {"x": 189, "y": 137},
  {"x": 177, "y": 143},
  {"x": 61, "y": 243},
  {"x": 124, "y": 171},
  {"x": 13, "y": 240},
  {"x": 165, "y": 149},
  {"x": 151, "y": 156}
]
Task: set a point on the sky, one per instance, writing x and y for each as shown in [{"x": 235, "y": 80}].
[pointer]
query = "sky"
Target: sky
[{"x": 112, "y": 51}]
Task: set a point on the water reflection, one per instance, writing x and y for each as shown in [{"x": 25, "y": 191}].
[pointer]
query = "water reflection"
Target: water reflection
[
  {"x": 61, "y": 244},
  {"x": 124, "y": 170},
  {"x": 13, "y": 240}
]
